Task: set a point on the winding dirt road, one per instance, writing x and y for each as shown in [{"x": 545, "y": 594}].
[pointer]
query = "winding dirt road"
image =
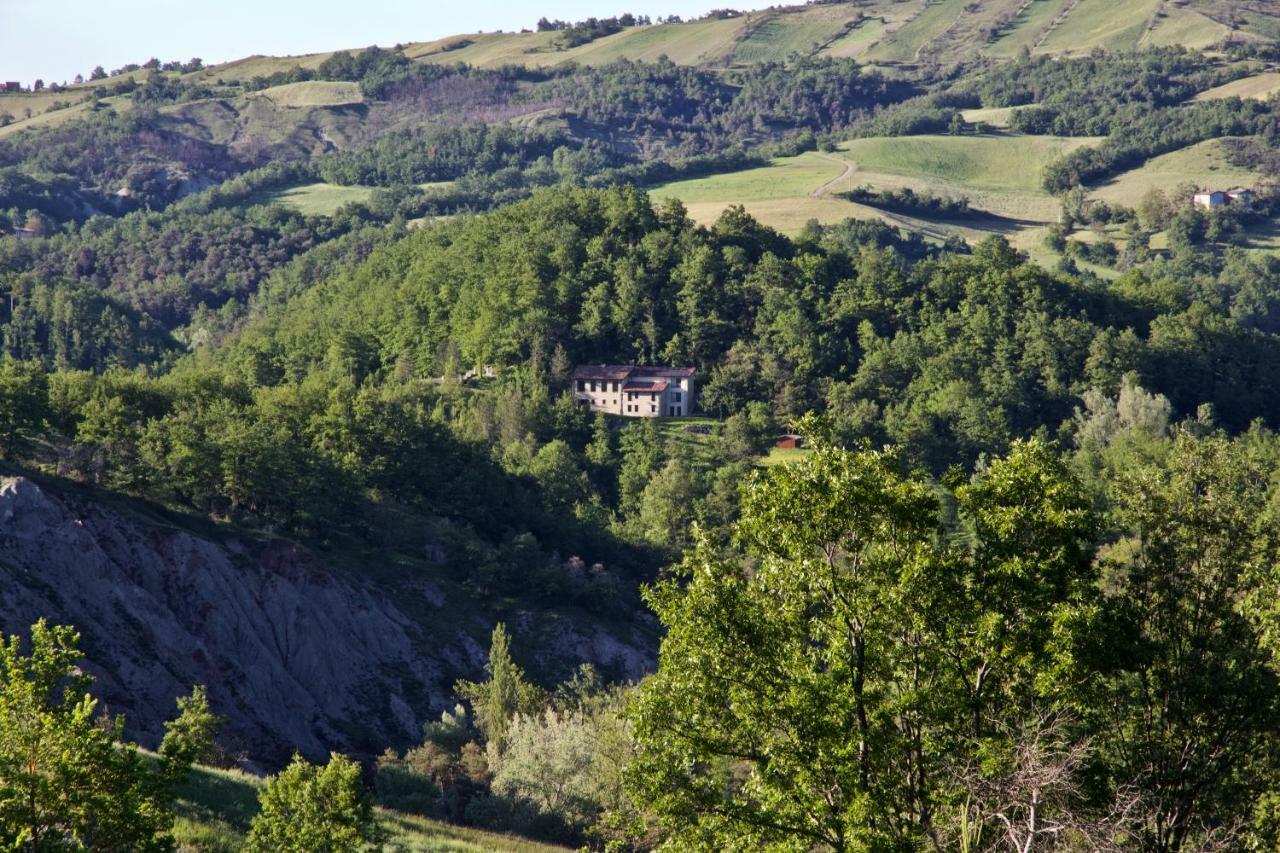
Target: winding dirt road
[{"x": 825, "y": 188}]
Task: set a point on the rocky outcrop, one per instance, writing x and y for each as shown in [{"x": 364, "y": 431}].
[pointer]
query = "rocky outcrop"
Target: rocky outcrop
[{"x": 294, "y": 654}]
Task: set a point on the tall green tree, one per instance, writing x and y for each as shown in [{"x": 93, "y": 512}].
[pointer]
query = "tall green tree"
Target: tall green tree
[
  {"x": 24, "y": 404},
  {"x": 789, "y": 697},
  {"x": 67, "y": 782},
  {"x": 505, "y": 693},
  {"x": 1187, "y": 704},
  {"x": 831, "y": 679},
  {"x": 1029, "y": 562}
]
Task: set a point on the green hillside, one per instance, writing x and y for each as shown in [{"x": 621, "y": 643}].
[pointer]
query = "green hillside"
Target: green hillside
[
  {"x": 882, "y": 33},
  {"x": 999, "y": 174},
  {"x": 1204, "y": 164}
]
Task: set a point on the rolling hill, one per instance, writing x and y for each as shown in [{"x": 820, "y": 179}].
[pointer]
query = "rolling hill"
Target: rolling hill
[
  {"x": 236, "y": 111},
  {"x": 887, "y": 33},
  {"x": 301, "y": 119}
]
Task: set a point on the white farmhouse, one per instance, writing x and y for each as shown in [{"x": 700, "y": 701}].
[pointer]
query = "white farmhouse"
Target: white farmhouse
[{"x": 636, "y": 392}]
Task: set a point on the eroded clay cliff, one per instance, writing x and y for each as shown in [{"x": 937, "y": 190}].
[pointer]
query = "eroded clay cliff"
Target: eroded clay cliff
[{"x": 295, "y": 655}]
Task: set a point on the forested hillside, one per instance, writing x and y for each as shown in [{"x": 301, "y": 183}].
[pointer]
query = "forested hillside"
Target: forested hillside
[{"x": 288, "y": 430}]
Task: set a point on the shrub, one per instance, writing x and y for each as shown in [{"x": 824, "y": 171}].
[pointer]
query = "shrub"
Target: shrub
[{"x": 311, "y": 809}]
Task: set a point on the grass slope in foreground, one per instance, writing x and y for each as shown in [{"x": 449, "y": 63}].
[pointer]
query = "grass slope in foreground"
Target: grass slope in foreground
[{"x": 216, "y": 807}]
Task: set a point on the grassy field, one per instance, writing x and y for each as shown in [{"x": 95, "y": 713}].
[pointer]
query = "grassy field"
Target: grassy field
[
  {"x": 312, "y": 93},
  {"x": 993, "y": 162},
  {"x": 1180, "y": 26},
  {"x": 685, "y": 44},
  {"x": 16, "y": 104},
  {"x": 998, "y": 173},
  {"x": 320, "y": 199},
  {"x": 1203, "y": 164},
  {"x": 780, "y": 195},
  {"x": 992, "y": 116},
  {"x": 257, "y": 66},
  {"x": 698, "y": 445},
  {"x": 782, "y": 455},
  {"x": 323, "y": 199},
  {"x": 855, "y": 42},
  {"x": 216, "y": 807},
  {"x": 1110, "y": 24},
  {"x": 482, "y": 49},
  {"x": 1259, "y": 86}
]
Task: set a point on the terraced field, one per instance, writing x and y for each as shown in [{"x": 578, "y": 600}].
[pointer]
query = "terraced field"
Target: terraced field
[
  {"x": 906, "y": 43},
  {"x": 855, "y": 42},
  {"x": 1114, "y": 25},
  {"x": 687, "y": 44},
  {"x": 803, "y": 32},
  {"x": 891, "y": 32},
  {"x": 1026, "y": 28}
]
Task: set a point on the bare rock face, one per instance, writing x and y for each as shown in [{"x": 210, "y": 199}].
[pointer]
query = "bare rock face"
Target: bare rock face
[{"x": 295, "y": 656}]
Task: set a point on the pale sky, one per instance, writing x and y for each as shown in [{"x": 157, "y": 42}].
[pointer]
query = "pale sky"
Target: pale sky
[{"x": 56, "y": 39}]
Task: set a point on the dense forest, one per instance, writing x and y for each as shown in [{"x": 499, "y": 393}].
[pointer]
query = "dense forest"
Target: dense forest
[{"x": 1018, "y": 591}]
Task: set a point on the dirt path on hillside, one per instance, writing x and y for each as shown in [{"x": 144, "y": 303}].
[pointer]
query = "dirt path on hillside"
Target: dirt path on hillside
[{"x": 825, "y": 188}]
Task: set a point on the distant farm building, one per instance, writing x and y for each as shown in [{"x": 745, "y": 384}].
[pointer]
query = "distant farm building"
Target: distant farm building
[
  {"x": 22, "y": 233},
  {"x": 635, "y": 392},
  {"x": 1210, "y": 200},
  {"x": 790, "y": 441},
  {"x": 12, "y": 86},
  {"x": 1215, "y": 199},
  {"x": 1240, "y": 195}
]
